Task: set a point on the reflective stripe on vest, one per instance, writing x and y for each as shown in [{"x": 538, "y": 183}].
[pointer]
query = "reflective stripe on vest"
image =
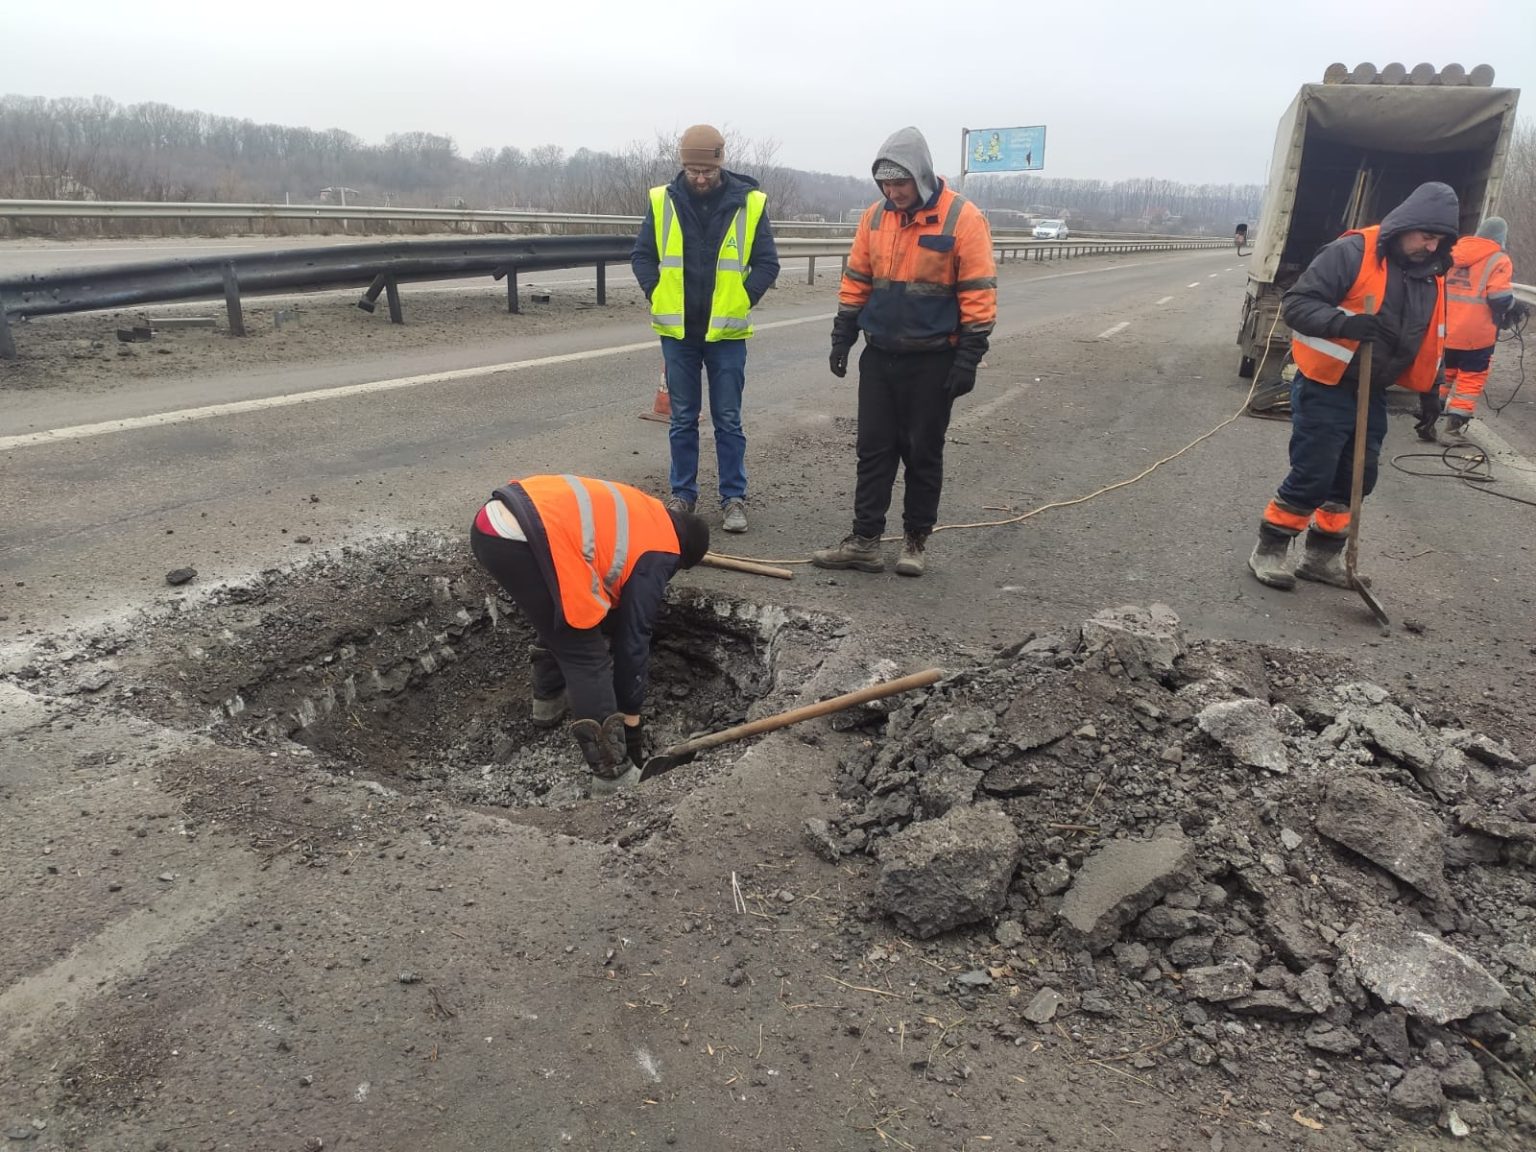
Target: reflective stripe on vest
[
  {"x": 730, "y": 314},
  {"x": 1324, "y": 358},
  {"x": 1470, "y": 318},
  {"x": 595, "y": 531}
]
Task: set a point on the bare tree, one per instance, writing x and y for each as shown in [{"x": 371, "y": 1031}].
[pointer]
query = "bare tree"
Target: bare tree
[{"x": 1517, "y": 202}]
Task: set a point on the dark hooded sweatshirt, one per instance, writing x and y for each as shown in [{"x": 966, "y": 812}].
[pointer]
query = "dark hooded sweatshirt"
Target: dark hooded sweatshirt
[
  {"x": 704, "y": 220},
  {"x": 1311, "y": 307}
]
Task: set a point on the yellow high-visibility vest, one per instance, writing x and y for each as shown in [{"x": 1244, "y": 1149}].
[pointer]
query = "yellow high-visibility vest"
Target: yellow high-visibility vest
[{"x": 730, "y": 311}]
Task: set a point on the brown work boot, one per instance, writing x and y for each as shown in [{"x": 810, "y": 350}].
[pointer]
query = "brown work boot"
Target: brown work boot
[
  {"x": 607, "y": 755},
  {"x": 861, "y": 552},
  {"x": 910, "y": 562}
]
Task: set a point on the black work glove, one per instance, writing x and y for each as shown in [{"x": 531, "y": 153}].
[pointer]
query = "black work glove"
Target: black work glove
[
  {"x": 845, "y": 334},
  {"x": 962, "y": 373},
  {"x": 1517, "y": 311},
  {"x": 1377, "y": 328},
  {"x": 960, "y": 381},
  {"x": 839, "y": 360},
  {"x": 634, "y": 743}
]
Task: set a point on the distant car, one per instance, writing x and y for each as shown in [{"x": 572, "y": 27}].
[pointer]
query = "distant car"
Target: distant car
[{"x": 1051, "y": 230}]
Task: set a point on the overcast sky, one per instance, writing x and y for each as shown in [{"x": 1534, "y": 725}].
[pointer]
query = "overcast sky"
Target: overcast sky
[{"x": 1182, "y": 89}]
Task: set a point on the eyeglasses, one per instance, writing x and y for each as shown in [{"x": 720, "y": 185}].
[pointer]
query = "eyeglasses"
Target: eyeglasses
[{"x": 691, "y": 171}]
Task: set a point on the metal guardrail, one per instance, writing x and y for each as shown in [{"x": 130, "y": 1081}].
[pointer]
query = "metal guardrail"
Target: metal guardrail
[
  {"x": 156, "y": 210},
  {"x": 380, "y": 268},
  {"x": 1006, "y": 247},
  {"x": 383, "y": 267},
  {"x": 1525, "y": 292}
]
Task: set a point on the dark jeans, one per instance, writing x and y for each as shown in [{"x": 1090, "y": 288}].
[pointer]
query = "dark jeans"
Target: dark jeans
[
  {"x": 903, "y": 417},
  {"x": 1323, "y": 443},
  {"x": 576, "y": 660},
  {"x": 725, "y": 363}
]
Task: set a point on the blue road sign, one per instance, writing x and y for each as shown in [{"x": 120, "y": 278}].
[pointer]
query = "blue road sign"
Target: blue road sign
[{"x": 1005, "y": 149}]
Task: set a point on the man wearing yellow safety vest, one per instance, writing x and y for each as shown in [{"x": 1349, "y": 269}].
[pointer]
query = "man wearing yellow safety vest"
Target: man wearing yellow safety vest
[
  {"x": 1400, "y": 264},
  {"x": 588, "y": 562},
  {"x": 704, "y": 258}
]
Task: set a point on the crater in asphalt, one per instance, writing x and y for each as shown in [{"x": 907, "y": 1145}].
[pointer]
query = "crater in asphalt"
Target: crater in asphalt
[{"x": 402, "y": 664}]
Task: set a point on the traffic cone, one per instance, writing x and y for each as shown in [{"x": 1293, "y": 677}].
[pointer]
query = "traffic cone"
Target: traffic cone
[{"x": 661, "y": 406}]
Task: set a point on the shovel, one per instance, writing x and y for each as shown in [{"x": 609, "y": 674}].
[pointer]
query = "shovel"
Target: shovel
[
  {"x": 1357, "y": 480},
  {"x": 669, "y": 758}
]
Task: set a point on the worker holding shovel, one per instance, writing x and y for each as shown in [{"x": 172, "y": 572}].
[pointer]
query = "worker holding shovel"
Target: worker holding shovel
[{"x": 1380, "y": 288}]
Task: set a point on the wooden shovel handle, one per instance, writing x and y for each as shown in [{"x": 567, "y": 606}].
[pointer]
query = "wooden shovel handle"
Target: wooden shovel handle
[
  {"x": 807, "y": 712},
  {"x": 1362, "y": 425},
  {"x": 714, "y": 560}
]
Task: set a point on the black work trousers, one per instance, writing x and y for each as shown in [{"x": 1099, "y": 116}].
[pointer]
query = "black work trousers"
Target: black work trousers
[
  {"x": 574, "y": 660},
  {"x": 903, "y": 418}
]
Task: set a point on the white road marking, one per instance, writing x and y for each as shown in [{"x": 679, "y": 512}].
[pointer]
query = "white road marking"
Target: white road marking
[
  {"x": 1108, "y": 332},
  {"x": 1213, "y": 275},
  {"x": 982, "y": 411},
  {"x": 187, "y": 415},
  {"x": 1196, "y": 284},
  {"x": 234, "y": 408},
  {"x": 1165, "y": 299}
]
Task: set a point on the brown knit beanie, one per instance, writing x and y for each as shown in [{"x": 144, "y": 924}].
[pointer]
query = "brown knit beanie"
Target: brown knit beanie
[{"x": 702, "y": 145}]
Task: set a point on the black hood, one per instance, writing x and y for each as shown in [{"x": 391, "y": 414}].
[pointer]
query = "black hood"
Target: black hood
[{"x": 1431, "y": 207}]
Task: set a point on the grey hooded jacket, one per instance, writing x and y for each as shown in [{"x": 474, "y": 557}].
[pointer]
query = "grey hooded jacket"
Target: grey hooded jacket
[
  {"x": 907, "y": 148},
  {"x": 1311, "y": 307}
]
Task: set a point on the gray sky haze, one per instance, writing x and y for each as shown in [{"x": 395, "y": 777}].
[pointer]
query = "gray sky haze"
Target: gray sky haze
[{"x": 1186, "y": 90}]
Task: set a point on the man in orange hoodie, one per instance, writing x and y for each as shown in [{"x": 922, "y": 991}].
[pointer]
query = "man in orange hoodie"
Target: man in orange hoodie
[
  {"x": 920, "y": 285},
  {"x": 1479, "y": 301}
]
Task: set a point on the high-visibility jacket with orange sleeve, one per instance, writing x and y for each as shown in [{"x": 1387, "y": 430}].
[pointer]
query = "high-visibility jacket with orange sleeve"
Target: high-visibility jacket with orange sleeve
[
  {"x": 1325, "y": 359},
  {"x": 605, "y": 550},
  {"x": 1478, "y": 285},
  {"x": 920, "y": 280}
]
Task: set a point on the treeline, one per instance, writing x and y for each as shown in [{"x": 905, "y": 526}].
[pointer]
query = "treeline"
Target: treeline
[
  {"x": 99, "y": 149},
  {"x": 1125, "y": 205}
]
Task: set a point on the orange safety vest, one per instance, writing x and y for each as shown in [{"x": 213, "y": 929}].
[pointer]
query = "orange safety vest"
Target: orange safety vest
[
  {"x": 596, "y": 530},
  {"x": 1324, "y": 358},
  {"x": 1469, "y": 320}
]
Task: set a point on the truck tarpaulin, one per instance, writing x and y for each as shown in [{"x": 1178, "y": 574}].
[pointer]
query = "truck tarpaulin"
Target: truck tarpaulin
[{"x": 1383, "y": 119}]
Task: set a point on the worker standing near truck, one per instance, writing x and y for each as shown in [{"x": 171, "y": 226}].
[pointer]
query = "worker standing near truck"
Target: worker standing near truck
[
  {"x": 1384, "y": 284},
  {"x": 1479, "y": 299}
]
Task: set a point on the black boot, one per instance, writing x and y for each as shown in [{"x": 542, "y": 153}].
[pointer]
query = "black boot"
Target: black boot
[
  {"x": 1270, "y": 562},
  {"x": 1323, "y": 562}
]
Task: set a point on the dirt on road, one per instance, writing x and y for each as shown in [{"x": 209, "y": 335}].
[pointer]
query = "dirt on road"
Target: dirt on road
[{"x": 292, "y": 870}]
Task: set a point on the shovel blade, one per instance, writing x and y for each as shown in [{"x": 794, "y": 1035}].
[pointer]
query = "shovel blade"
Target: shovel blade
[
  {"x": 661, "y": 763},
  {"x": 1360, "y": 585}
]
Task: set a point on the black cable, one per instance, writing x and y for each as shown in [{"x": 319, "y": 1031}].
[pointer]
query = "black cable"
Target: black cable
[
  {"x": 1517, "y": 332},
  {"x": 1474, "y": 470}
]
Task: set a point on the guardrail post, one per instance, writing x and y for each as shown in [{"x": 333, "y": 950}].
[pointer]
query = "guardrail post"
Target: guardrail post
[
  {"x": 232, "y": 300},
  {"x": 392, "y": 294},
  {"x": 602, "y": 282},
  {"x": 810, "y": 274},
  {"x": 371, "y": 294},
  {"x": 512, "y": 305},
  {"x": 7, "y": 342}
]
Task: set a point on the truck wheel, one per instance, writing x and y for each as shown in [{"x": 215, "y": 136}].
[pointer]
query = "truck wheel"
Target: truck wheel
[
  {"x": 1245, "y": 367},
  {"x": 1272, "y": 400}
]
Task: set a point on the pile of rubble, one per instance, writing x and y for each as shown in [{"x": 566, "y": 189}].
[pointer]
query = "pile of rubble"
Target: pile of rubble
[{"x": 1300, "y": 871}]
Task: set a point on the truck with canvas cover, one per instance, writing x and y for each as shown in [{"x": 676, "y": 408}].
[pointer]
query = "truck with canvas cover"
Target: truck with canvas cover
[{"x": 1347, "y": 152}]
